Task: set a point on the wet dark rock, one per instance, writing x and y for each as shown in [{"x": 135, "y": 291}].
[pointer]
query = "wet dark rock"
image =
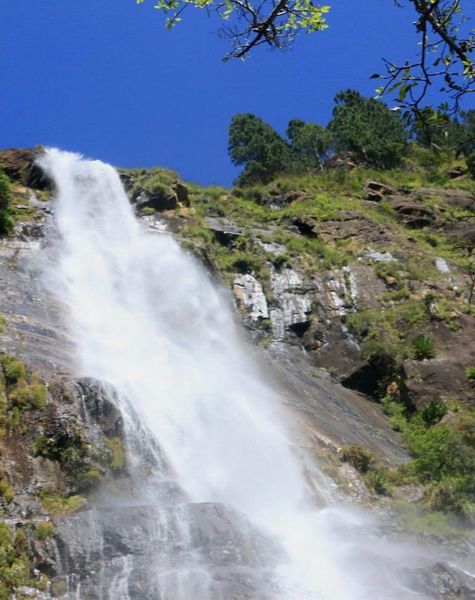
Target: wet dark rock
[
  {"x": 98, "y": 405},
  {"x": 442, "y": 581},
  {"x": 144, "y": 541}
]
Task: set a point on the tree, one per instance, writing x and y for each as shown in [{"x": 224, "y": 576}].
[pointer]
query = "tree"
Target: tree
[
  {"x": 256, "y": 145},
  {"x": 247, "y": 24},
  {"x": 445, "y": 50},
  {"x": 310, "y": 143},
  {"x": 439, "y": 130},
  {"x": 368, "y": 129}
]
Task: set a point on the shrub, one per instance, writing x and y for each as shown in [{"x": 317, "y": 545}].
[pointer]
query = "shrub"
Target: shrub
[
  {"x": 433, "y": 412},
  {"x": 6, "y": 221},
  {"x": 441, "y": 451},
  {"x": 44, "y": 530},
  {"x": 60, "y": 505},
  {"x": 6, "y": 490},
  {"x": 360, "y": 458},
  {"x": 29, "y": 396},
  {"x": 470, "y": 373},
  {"x": 377, "y": 481},
  {"x": 244, "y": 262},
  {"x": 14, "y": 369},
  {"x": 117, "y": 454},
  {"x": 471, "y": 164},
  {"x": 447, "y": 497},
  {"x": 423, "y": 347}
]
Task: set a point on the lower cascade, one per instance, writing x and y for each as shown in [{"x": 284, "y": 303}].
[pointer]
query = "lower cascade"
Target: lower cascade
[{"x": 219, "y": 504}]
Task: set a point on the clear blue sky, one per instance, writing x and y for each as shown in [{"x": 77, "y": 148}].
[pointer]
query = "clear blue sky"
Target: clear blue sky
[{"x": 104, "y": 78}]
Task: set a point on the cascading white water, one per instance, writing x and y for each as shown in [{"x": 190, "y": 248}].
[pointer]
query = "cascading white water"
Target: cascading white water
[{"x": 147, "y": 320}]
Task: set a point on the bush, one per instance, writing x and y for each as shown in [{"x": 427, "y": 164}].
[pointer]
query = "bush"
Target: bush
[
  {"x": 6, "y": 222},
  {"x": 471, "y": 164},
  {"x": 447, "y": 497},
  {"x": 433, "y": 412},
  {"x": 441, "y": 451},
  {"x": 14, "y": 369},
  {"x": 6, "y": 490},
  {"x": 470, "y": 373},
  {"x": 377, "y": 481},
  {"x": 423, "y": 347},
  {"x": 44, "y": 530},
  {"x": 31, "y": 396},
  {"x": 360, "y": 458}
]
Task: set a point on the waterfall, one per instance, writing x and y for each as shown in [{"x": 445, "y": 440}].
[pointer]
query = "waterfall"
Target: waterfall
[{"x": 148, "y": 321}]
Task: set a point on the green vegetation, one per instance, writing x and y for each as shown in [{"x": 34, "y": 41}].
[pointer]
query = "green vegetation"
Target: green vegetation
[
  {"x": 71, "y": 450},
  {"x": 15, "y": 566},
  {"x": 6, "y": 490},
  {"x": 310, "y": 143},
  {"x": 471, "y": 164},
  {"x": 423, "y": 347},
  {"x": 363, "y": 127},
  {"x": 368, "y": 129},
  {"x": 58, "y": 504},
  {"x": 6, "y": 222},
  {"x": 117, "y": 453},
  {"x": 29, "y": 396},
  {"x": 445, "y": 45},
  {"x": 365, "y": 462},
  {"x": 14, "y": 369},
  {"x": 23, "y": 391},
  {"x": 258, "y": 147},
  {"x": 470, "y": 373},
  {"x": 360, "y": 458},
  {"x": 44, "y": 530}
]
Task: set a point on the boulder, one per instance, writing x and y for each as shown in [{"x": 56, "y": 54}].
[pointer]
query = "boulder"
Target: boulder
[
  {"x": 375, "y": 190},
  {"x": 463, "y": 235},
  {"x": 159, "y": 199},
  {"x": 19, "y": 165},
  {"x": 455, "y": 172},
  {"x": 282, "y": 200},
  {"x": 306, "y": 226},
  {"x": 412, "y": 213},
  {"x": 462, "y": 199}
]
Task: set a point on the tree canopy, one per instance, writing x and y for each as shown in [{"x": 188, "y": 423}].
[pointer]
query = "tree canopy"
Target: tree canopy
[
  {"x": 364, "y": 129},
  {"x": 256, "y": 145},
  {"x": 310, "y": 143},
  {"x": 368, "y": 129}
]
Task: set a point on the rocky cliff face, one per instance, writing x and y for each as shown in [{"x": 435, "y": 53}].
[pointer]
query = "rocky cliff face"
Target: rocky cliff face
[{"x": 327, "y": 283}]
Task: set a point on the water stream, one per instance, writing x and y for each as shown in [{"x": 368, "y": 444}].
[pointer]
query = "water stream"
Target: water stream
[{"x": 148, "y": 322}]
